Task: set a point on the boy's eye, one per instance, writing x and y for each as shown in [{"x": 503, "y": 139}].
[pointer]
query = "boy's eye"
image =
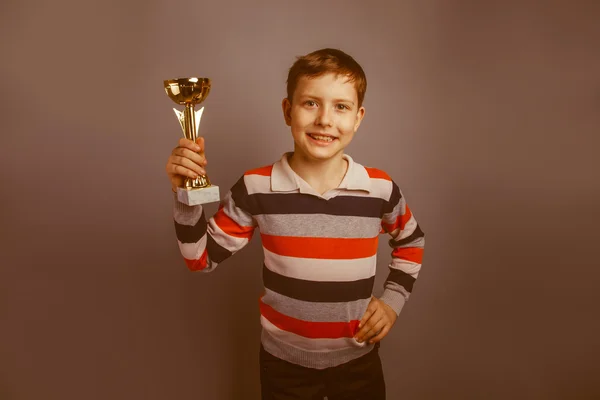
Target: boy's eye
[
  {"x": 343, "y": 107},
  {"x": 310, "y": 103}
]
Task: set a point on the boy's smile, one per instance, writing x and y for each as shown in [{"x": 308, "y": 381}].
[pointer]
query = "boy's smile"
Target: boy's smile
[{"x": 323, "y": 116}]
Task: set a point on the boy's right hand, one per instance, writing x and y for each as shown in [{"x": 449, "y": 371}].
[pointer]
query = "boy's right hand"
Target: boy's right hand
[{"x": 186, "y": 160}]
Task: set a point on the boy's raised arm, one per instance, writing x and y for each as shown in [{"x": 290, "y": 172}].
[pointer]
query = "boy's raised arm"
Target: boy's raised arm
[
  {"x": 205, "y": 244},
  {"x": 407, "y": 242}
]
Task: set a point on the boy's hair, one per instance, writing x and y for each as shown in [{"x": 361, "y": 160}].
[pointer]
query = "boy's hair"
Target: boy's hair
[{"x": 324, "y": 61}]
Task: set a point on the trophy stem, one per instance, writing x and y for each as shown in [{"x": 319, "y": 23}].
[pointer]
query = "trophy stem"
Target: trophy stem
[
  {"x": 190, "y": 122},
  {"x": 191, "y": 134}
]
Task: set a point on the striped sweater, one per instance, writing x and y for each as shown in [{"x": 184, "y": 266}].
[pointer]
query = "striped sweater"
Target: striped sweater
[{"x": 319, "y": 254}]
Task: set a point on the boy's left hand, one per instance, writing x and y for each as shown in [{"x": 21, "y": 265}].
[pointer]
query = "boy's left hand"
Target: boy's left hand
[{"x": 376, "y": 322}]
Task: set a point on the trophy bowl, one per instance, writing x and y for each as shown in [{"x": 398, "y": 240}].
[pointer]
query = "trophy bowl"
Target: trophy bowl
[{"x": 187, "y": 90}]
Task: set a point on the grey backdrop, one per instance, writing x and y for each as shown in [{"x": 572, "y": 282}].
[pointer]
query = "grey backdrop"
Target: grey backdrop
[{"x": 486, "y": 113}]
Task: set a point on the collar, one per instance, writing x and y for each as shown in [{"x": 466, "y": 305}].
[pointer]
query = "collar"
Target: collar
[{"x": 284, "y": 179}]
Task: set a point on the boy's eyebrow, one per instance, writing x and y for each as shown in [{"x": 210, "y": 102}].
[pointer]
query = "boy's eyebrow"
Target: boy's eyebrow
[{"x": 335, "y": 100}]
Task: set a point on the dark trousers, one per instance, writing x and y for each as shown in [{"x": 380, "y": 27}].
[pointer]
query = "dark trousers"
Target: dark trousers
[{"x": 360, "y": 379}]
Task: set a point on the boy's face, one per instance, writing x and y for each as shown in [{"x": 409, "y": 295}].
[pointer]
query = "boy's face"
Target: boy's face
[{"x": 323, "y": 116}]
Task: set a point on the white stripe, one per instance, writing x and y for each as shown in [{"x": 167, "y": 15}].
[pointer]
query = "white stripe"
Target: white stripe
[
  {"x": 408, "y": 267},
  {"x": 322, "y": 270},
  {"x": 409, "y": 228},
  {"x": 193, "y": 251},
  {"x": 381, "y": 188},
  {"x": 231, "y": 243},
  {"x": 257, "y": 183},
  {"x": 309, "y": 344}
]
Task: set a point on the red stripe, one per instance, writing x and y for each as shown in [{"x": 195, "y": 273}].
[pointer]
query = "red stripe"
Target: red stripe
[
  {"x": 308, "y": 329},
  {"x": 230, "y": 227},
  {"x": 414, "y": 254},
  {"x": 377, "y": 174},
  {"x": 264, "y": 171},
  {"x": 392, "y": 227},
  {"x": 399, "y": 223},
  {"x": 327, "y": 248},
  {"x": 197, "y": 265}
]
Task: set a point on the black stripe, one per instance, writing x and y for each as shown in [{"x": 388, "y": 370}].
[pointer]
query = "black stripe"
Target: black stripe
[
  {"x": 300, "y": 203},
  {"x": 239, "y": 195},
  {"x": 417, "y": 234},
  {"x": 191, "y": 233},
  {"x": 329, "y": 292},
  {"x": 401, "y": 278},
  {"x": 216, "y": 252},
  {"x": 395, "y": 197}
]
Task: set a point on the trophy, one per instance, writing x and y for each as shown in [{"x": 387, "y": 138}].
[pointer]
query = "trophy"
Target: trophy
[{"x": 189, "y": 92}]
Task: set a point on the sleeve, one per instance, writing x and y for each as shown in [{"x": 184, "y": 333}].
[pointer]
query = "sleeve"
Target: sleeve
[
  {"x": 407, "y": 243},
  {"x": 204, "y": 245}
]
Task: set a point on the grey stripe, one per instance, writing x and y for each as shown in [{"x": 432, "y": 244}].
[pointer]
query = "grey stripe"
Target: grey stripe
[
  {"x": 395, "y": 296},
  {"x": 312, "y": 359},
  {"x": 319, "y": 225},
  {"x": 398, "y": 210},
  {"x": 184, "y": 214},
  {"x": 236, "y": 213},
  {"x": 389, "y": 285},
  {"x": 316, "y": 312}
]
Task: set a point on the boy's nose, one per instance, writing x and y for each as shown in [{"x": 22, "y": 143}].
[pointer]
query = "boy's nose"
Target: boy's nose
[{"x": 324, "y": 117}]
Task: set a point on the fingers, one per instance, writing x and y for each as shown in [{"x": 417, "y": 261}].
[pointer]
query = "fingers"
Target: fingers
[
  {"x": 187, "y": 159},
  {"x": 184, "y": 167},
  {"x": 376, "y": 322},
  {"x": 371, "y": 308},
  {"x": 200, "y": 144},
  {"x": 180, "y": 153},
  {"x": 197, "y": 147},
  {"x": 384, "y": 331},
  {"x": 188, "y": 144},
  {"x": 376, "y": 330},
  {"x": 368, "y": 328}
]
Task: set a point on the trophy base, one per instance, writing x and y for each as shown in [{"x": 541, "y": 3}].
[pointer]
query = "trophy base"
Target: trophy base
[{"x": 193, "y": 197}]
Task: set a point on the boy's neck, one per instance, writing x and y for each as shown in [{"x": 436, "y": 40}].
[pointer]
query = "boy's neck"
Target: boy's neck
[{"x": 320, "y": 175}]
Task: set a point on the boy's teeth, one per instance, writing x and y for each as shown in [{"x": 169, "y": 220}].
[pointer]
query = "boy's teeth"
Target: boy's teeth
[{"x": 326, "y": 138}]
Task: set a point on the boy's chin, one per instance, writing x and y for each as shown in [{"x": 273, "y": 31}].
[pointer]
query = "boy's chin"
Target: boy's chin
[{"x": 321, "y": 154}]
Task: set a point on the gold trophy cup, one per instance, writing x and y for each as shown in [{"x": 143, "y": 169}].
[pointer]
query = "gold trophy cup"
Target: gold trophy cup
[{"x": 189, "y": 92}]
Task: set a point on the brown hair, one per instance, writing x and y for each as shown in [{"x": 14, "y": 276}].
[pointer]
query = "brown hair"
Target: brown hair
[{"x": 325, "y": 61}]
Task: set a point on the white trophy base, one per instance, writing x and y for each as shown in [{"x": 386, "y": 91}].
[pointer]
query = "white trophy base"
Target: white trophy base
[{"x": 193, "y": 197}]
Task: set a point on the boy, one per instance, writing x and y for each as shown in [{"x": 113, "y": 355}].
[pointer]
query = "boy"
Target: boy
[{"x": 319, "y": 214}]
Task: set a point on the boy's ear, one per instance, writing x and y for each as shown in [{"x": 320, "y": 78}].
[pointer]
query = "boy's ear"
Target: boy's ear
[
  {"x": 286, "y": 107},
  {"x": 359, "y": 117}
]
